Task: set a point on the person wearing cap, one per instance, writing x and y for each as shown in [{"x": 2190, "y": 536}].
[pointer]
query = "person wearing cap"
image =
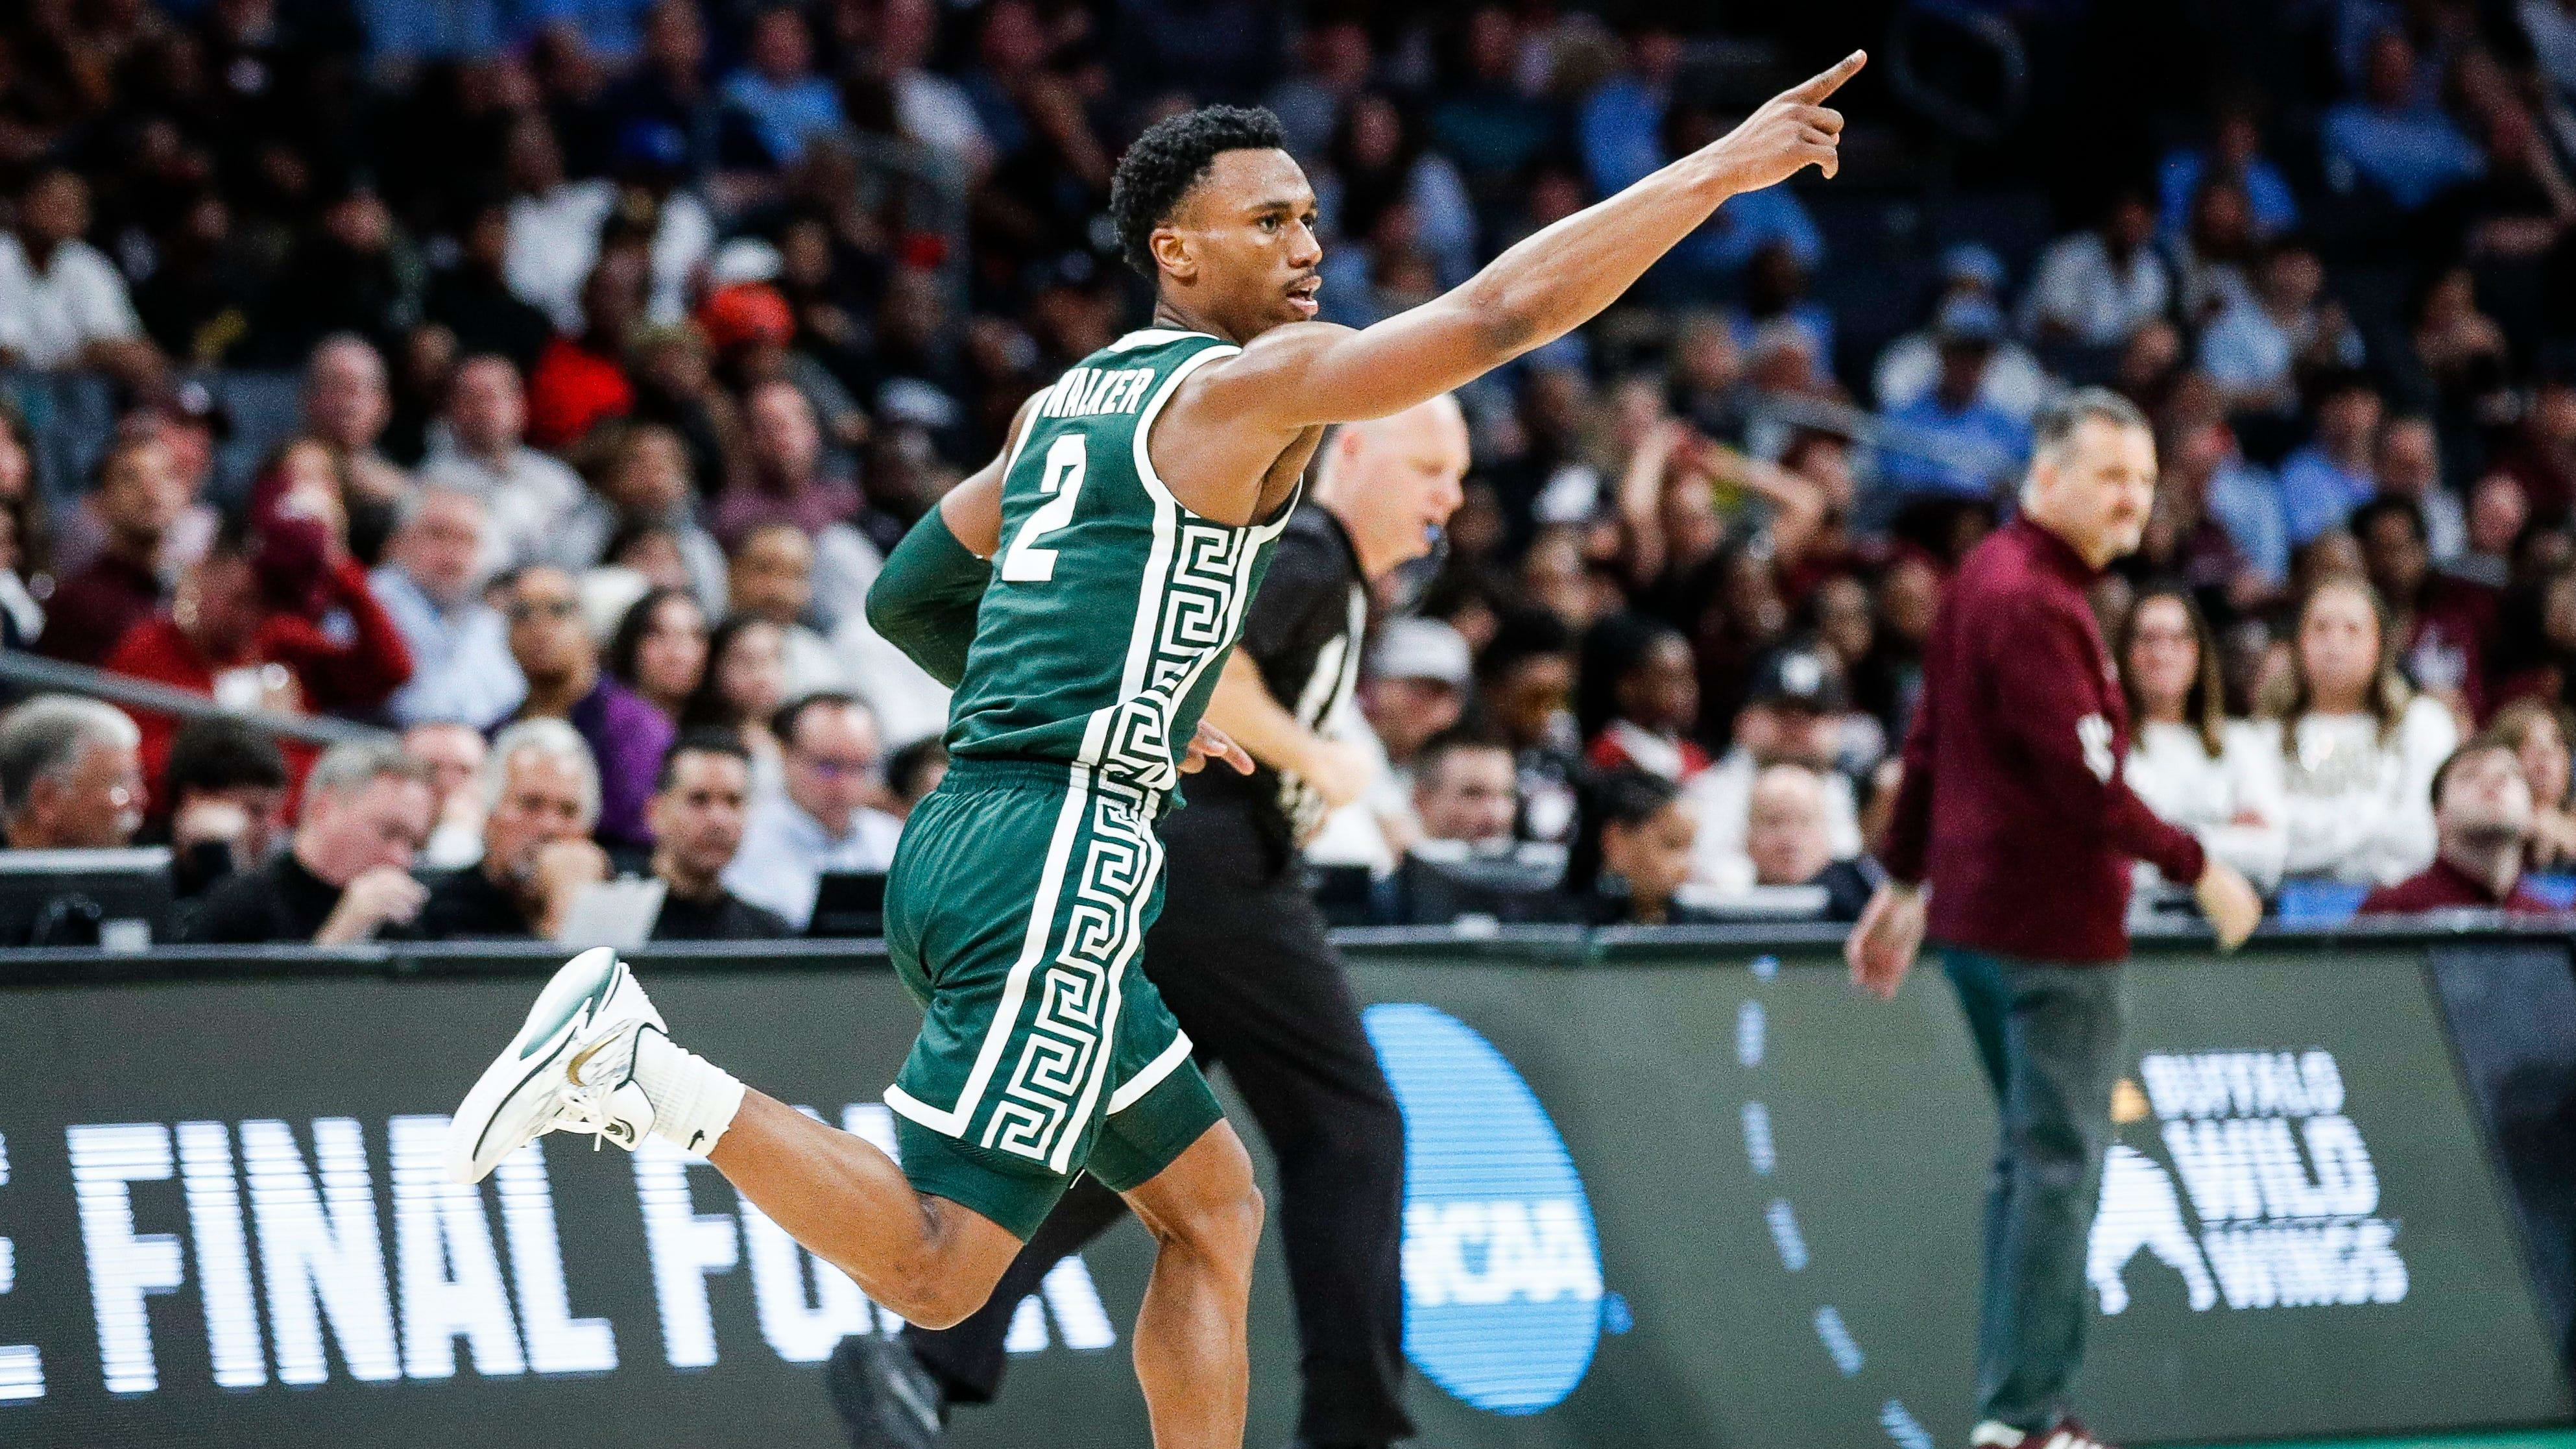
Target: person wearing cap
[
  {"x": 2012, "y": 844},
  {"x": 1951, "y": 440},
  {"x": 1910, "y": 366},
  {"x": 1792, "y": 715},
  {"x": 1416, "y": 688}
]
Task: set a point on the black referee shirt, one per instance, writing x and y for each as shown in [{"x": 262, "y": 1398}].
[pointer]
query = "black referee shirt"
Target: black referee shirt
[
  {"x": 1304, "y": 632},
  {"x": 280, "y": 901}
]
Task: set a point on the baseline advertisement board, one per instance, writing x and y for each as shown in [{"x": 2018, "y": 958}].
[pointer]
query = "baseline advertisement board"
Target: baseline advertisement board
[{"x": 1712, "y": 1200}]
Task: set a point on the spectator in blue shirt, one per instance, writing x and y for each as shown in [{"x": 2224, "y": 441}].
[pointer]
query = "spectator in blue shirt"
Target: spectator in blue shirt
[
  {"x": 1951, "y": 440},
  {"x": 2235, "y": 153},
  {"x": 2258, "y": 347},
  {"x": 2409, "y": 152},
  {"x": 460, "y": 647},
  {"x": 778, "y": 93},
  {"x": 1620, "y": 126},
  {"x": 2323, "y": 482}
]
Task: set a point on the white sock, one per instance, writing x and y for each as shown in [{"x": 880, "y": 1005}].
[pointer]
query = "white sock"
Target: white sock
[{"x": 693, "y": 1099}]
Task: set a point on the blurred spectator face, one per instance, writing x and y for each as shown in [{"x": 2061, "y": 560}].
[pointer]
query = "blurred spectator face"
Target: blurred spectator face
[
  {"x": 1467, "y": 792},
  {"x": 453, "y": 752},
  {"x": 1783, "y": 733},
  {"x": 2498, "y": 509},
  {"x": 260, "y": 808},
  {"x": 54, "y": 210},
  {"x": 438, "y": 547},
  {"x": 772, "y": 574},
  {"x": 2348, "y": 418},
  {"x": 2332, "y": 552},
  {"x": 907, "y": 31},
  {"x": 1653, "y": 856},
  {"x": 1012, "y": 42},
  {"x": 2486, "y": 801},
  {"x": 2292, "y": 278},
  {"x": 1492, "y": 44},
  {"x": 1375, "y": 135},
  {"x": 1843, "y": 618},
  {"x": 345, "y": 403},
  {"x": 1784, "y": 831},
  {"x": 2558, "y": 611},
  {"x": 2164, "y": 657},
  {"x": 547, "y": 635},
  {"x": 1662, "y": 692},
  {"x": 672, "y": 655},
  {"x": 752, "y": 673},
  {"x": 531, "y": 159},
  {"x": 655, "y": 554},
  {"x": 2131, "y": 225},
  {"x": 381, "y": 822},
  {"x": 2410, "y": 457},
  {"x": 2541, "y": 745},
  {"x": 1406, "y": 712},
  {"x": 140, "y": 495},
  {"x": 95, "y": 803},
  {"x": 831, "y": 762},
  {"x": 487, "y": 407},
  {"x": 1552, "y": 575},
  {"x": 651, "y": 475},
  {"x": 780, "y": 48},
  {"x": 2147, "y": 360},
  {"x": 2222, "y": 220},
  {"x": 219, "y": 605},
  {"x": 2238, "y": 140},
  {"x": 2339, "y": 646},
  {"x": 1908, "y": 594},
  {"x": 2394, "y": 555},
  {"x": 2388, "y": 70},
  {"x": 487, "y": 240},
  {"x": 1705, "y": 358},
  {"x": 786, "y": 443},
  {"x": 2553, "y": 413},
  {"x": 1527, "y": 698},
  {"x": 612, "y": 296},
  {"x": 2096, "y": 488},
  {"x": 191, "y": 445},
  {"x": 541, "y": 803},
  {"x": 697, "y": 818}
]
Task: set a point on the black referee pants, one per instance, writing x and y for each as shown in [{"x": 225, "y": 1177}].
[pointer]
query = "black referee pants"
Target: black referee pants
[{"x": 1242, "y": 960}]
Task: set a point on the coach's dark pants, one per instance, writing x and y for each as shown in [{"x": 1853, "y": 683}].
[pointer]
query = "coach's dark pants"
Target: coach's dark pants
[
  {"x": 2049, "y": 1037},
  {"x": 1241, "y": 958}
]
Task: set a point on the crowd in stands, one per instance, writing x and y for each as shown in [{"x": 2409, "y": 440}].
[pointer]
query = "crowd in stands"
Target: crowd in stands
[{"x": 632, "y": 335}]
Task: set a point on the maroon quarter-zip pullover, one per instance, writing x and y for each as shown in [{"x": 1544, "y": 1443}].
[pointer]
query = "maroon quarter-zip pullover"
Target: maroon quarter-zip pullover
[{"x": 2014, "y": 807}]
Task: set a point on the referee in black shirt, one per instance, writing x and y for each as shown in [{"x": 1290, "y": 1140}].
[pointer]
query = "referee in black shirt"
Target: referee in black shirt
[
  {"x": 1242, "y": 959},
  {"x": 347, "y": 875}
]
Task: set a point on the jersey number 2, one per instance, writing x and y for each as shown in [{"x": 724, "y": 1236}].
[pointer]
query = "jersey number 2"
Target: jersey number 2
[{"x": 1026, "y": 563}]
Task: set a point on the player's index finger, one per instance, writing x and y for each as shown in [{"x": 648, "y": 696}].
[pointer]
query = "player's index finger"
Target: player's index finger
[{"x": 1828, "y": 82}]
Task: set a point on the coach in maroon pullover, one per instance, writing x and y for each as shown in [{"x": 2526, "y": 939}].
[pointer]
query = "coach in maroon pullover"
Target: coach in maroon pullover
[{"x": 2011, "y": 844}]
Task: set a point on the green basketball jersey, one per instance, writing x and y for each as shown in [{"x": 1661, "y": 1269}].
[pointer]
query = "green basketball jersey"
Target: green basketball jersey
[{"x": 1112, "y": 605}]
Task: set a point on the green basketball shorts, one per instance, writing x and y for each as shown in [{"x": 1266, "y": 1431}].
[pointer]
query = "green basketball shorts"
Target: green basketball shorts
[{"x": 1015, "y": 912}]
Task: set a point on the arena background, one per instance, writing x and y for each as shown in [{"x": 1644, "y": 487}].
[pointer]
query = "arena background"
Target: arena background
[{"x": 1772, "y": 1170}]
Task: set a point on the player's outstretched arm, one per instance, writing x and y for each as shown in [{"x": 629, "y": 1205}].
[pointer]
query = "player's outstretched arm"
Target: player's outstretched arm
[{"x": 1536, "y": 292}]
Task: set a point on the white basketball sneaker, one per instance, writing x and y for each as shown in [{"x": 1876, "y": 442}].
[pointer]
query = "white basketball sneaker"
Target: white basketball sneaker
[{"x": 571, "y": 1068}]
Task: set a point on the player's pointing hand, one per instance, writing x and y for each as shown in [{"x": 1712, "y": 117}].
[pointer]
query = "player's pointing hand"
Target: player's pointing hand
[{"x": 1792, "y": 130}]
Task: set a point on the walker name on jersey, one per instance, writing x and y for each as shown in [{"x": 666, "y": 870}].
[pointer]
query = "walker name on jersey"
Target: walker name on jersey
[
  {"x": 2283, "y": 1197},
  {"x": 309, "y": 1251},
  {"x": 1091, "y": 391}
]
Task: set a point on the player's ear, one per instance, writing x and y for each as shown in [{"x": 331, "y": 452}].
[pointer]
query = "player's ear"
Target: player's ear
[{"x": 1173, "y": 254}]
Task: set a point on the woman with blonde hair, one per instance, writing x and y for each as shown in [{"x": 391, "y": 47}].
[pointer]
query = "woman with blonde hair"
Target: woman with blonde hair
[
  {"x": 2539, "y": 732},
  {"x": 2356, "y": 747},
  {"x": 2192, "y": 764}
]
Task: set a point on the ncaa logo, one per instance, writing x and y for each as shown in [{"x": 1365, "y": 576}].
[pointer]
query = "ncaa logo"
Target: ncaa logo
[{"x": 1502, "y": 1268}]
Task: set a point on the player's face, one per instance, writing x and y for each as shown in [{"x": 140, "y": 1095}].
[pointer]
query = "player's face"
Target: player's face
[{"x": 1242, "y": 248}]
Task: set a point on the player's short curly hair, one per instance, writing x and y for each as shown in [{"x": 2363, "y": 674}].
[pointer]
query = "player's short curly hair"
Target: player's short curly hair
[{"x": 1169, "y": 159}]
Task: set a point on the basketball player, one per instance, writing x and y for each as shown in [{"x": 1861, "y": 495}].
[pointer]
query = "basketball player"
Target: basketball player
[
  {"x": 1127, "y": 522},
  {"x": 1243, "y": 959}
]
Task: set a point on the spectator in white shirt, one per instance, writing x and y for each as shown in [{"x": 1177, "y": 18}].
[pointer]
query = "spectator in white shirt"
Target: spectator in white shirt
[
  {"x": 928, "y": 107},
  {"x": 641, "y": 477},
  {"x": 1794, "y": 715},
  {"x": 2192, "y": 764},
  {"x": 62, "y": 303},
  {"x": 555, "y": 224},
  {"x": 822, "y": 821},
  {"x": 2356, "y": 747},
  {"x": 528, "y": 496},
  {"x": 2095, "y": 287},
  {"x": 771, "y": 575},
  {"x": 461, "y": 667},
  {"x": 2013, "y": 383}
]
